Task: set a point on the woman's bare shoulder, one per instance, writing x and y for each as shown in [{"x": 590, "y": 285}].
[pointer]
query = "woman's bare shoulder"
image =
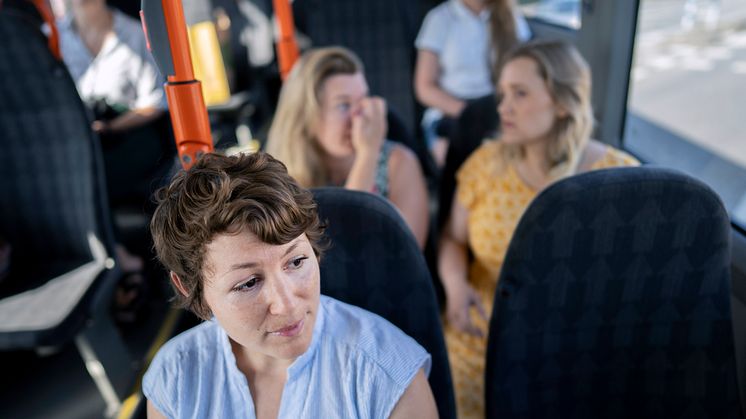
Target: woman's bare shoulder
[{"x": 402, "y": 156}]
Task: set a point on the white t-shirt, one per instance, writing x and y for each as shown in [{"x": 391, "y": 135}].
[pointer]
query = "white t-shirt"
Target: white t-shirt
[
  {"x": 461, "y": 40},
  {"x": 123, "y": 72}
]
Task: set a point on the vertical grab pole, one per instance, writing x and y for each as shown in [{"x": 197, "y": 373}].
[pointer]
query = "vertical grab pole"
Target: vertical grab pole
[
  {"x": 165, "y": 29},
  {"x": 44, "y": 9},
  {"x": 287, "y": 47}
]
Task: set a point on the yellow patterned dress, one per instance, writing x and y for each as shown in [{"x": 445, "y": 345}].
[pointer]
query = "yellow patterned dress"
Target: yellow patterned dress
[{"x": 495, "y": 202}]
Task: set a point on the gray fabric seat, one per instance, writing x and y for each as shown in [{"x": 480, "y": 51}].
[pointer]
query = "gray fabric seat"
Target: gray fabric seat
[
  {"x": 53, "y": 210},
  {"x": 374, "y": 263},
  {"x": 381, "y": 32},
  {"x": 614, "y": 301}
]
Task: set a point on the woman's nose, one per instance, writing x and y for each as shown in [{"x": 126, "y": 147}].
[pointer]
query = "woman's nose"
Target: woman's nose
[
  {"x": 280, "y": 297},
  {"x": 503, "y": 106}
]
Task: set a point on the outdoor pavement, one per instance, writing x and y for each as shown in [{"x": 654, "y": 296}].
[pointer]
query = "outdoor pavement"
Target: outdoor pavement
[{"x": 692, "y": 80}]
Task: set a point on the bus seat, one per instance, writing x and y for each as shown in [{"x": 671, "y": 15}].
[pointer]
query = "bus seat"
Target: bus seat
[
  {"x": 381, "y": 33},
  {"x": 477, "y": 122},
  {"x": 614, "y": 301},
  {"x": 398, "y": 132},
  {"x": 374, "y": 263},
  {"x": 53, "y": 212}
]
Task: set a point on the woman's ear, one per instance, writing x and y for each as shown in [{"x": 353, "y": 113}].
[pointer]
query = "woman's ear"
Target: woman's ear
[
  {"x": 177, "y": 284},
  {"x": 560, "y": 111}
]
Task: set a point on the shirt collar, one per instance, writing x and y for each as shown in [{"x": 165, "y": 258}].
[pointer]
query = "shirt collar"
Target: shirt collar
[
  {"x": 464, "y": 12},
  {"x": 66, "y": 22},
  {"x": 303, "y": 360},
  {"x": 67, "y": 25}
]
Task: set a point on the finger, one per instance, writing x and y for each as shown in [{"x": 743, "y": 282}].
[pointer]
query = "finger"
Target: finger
[
  {"x": 366, "y": 106},
  {"x": 480, "y": 307},
  {"x": 458, "y": 321},
  {"x": 378, "y": 107},
  {"x": 356, "y": 110},
  {"x": 472, "y": 329},
  {"x": 357, "y": 120}
]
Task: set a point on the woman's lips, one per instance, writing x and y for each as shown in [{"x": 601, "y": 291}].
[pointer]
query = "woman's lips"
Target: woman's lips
[{"x": 291, "y": 330}]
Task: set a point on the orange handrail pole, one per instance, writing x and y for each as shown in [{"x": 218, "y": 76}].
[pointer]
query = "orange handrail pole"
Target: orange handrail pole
[
  {"x": 45, "y": 11},
  {"x": 184, "y": 93},
  {"x": 173, "y": 12},
  {"x": 287, "y": 47}
]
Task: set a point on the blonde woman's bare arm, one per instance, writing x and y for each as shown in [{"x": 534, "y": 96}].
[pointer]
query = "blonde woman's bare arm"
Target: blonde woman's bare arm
[
  {"x": 408, "y": 191},
  {"x": 427, "y": 87},
  {"x": 453, "y": 259},
  {"x": 368, "y": 134}
]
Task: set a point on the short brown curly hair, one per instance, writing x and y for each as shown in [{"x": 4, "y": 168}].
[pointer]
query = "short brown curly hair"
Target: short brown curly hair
[{"x": 222, "y": 194}]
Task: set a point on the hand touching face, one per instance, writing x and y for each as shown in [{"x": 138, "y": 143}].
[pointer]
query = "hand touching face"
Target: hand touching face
[
  {"x": 350, "y": 121},
  {"x": 369, "y": 125}
]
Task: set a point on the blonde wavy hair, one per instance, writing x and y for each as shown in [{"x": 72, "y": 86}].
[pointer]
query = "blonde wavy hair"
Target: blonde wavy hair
[
  {"x": 568, "y": 79},
  {"x": 292, "y": 134}
]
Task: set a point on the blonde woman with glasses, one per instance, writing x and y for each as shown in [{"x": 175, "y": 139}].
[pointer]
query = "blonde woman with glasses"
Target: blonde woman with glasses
[{"x": 329, "y": 131}]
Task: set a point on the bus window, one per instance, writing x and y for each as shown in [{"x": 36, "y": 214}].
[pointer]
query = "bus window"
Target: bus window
[
  {"x": 559, "y": 12},
  {"x": 688, "y": 91}
]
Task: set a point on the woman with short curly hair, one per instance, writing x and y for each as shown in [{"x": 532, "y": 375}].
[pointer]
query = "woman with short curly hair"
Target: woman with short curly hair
[{"x": 242, "y": 241}]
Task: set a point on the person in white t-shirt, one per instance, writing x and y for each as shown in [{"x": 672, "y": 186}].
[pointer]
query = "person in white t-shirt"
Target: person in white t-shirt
[
  {"x": 460, "y": 46},
  {"x": 106, "y": 53}
]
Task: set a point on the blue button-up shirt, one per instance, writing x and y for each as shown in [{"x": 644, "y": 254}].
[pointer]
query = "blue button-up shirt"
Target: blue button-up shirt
[{"x": 358, "y": 365}]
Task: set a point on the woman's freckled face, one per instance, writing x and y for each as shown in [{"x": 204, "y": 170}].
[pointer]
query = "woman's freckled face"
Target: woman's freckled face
[{"x": 265, "y": 296}]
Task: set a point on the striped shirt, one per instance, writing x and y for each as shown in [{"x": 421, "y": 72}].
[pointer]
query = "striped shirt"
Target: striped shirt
[{"x": 358, "y": 365}]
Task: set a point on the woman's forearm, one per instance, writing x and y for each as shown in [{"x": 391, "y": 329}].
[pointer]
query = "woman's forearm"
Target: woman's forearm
[
  {"x": 427, "y": 86},
  {"x": 133, "y": 119},
  {"x": 434, "y": 97},
  {"x": 453, "y": 259},
  {"x": 362, "y": 176}
]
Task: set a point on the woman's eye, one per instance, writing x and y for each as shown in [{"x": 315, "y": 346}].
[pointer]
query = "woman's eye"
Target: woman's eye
[
  {"x": 344, "y": 107},
  {"x": 297, "y": 262},
  {"x": 245, "y": 286}
]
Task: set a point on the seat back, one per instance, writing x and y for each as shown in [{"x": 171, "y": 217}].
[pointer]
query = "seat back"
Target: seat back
[
  {"x": 53, "y": 209},
  {"x": 614, "y": 301},
  {"x": 477, "y": 122},
  {"x": 374, "y": 263},
  {"x": 397, "y": 131},
  {"x": 380, "y": 32}
]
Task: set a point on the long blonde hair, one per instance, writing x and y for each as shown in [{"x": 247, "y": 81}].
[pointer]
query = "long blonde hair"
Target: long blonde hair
[
  {"x": 568, "y": 79},
  {"x": 292, "y": 134},
  {"x": 503, "y": 35}
]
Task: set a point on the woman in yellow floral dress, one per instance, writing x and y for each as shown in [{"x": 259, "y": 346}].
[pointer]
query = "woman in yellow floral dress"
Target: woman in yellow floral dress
[{"x": 545, "y": 126}]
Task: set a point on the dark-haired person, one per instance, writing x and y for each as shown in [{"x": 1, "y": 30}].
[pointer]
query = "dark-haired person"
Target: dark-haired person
[{"x": 242, "y": 242}]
